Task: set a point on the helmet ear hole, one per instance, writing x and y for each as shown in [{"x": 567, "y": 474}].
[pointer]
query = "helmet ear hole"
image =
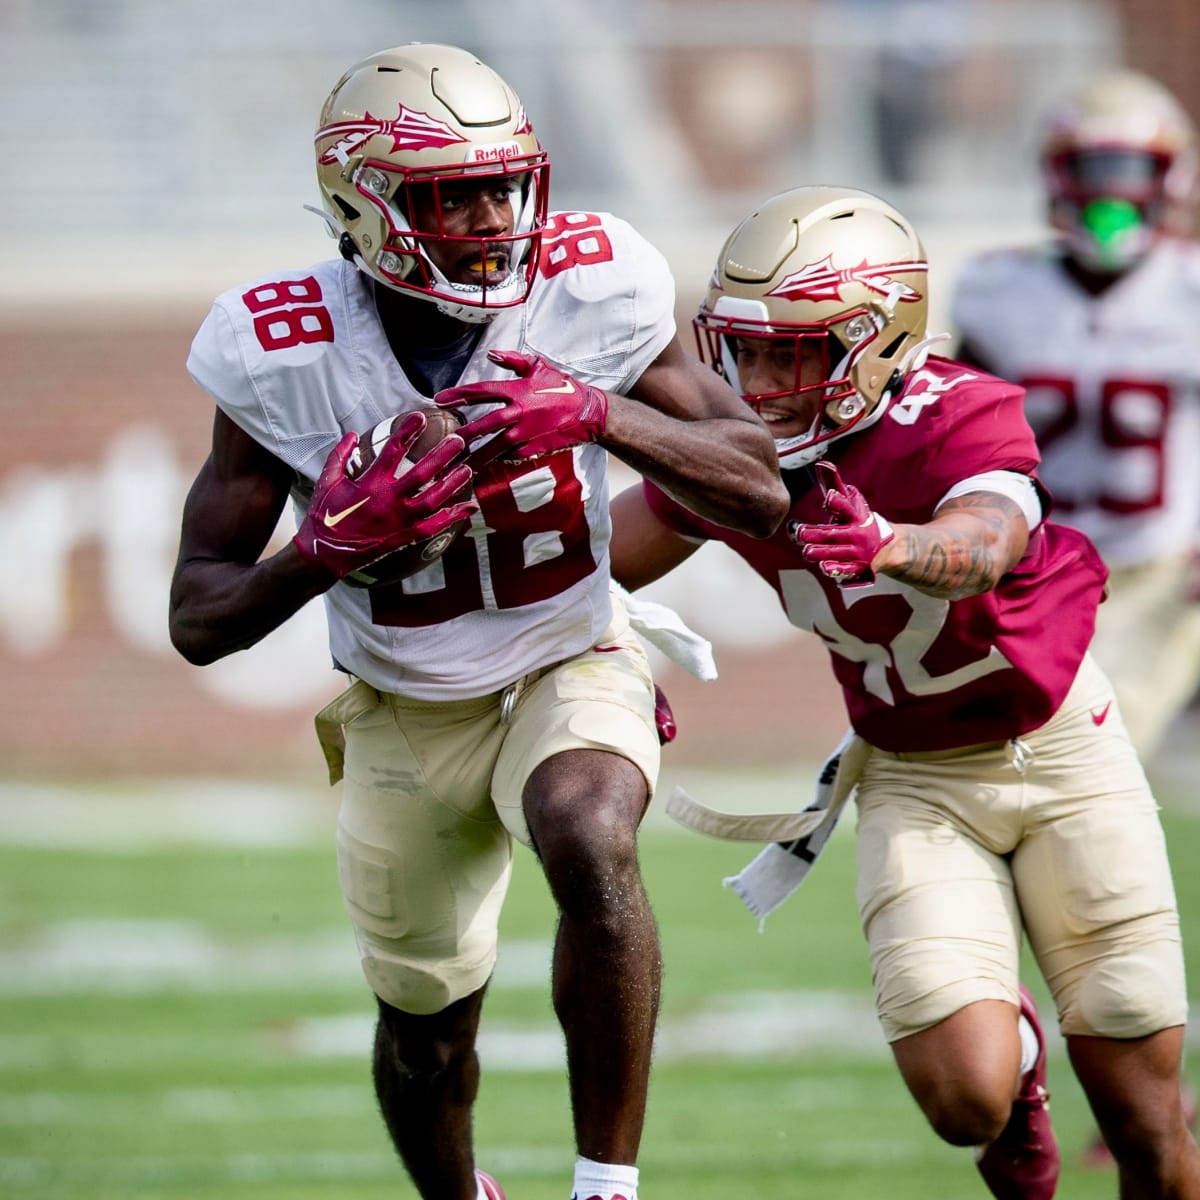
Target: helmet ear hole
[
  {"x": 889, "y": 351},
  {"x": 348, "y": 211}
]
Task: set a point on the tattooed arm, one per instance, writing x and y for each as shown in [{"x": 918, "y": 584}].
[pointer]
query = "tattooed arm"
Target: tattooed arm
[{"x": 971, "y": 542}]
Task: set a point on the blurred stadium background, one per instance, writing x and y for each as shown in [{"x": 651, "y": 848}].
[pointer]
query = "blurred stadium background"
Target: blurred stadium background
[
  {"x": 154, "y": 155},
  {"x": 164, "y": 856}
]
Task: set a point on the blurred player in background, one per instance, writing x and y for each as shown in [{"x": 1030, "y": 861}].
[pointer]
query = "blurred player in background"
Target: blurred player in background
[
  {"x": 497, "y": 692},
  {"x": 998, "y": 793},
  {"x": 1098, "y": 325}
]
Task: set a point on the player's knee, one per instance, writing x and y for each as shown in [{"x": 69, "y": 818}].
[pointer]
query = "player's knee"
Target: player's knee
[
  {"x": 963, "y": 1116},
  {"x": 590, "y": 834},
  {"x": 592, "y": 861},
  {"x": 417, "y": 1046},
  {"x": 1132, "y": 996}
]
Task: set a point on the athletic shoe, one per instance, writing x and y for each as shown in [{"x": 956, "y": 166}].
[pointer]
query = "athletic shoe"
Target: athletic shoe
[
  {"x": 491, "y": 1189},
  {"x": 1022, "y": 1163},
  {"x": 1096, "y": 1154}
]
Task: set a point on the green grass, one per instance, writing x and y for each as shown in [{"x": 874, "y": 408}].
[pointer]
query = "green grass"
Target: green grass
[{"x": 240, "y": 1072}]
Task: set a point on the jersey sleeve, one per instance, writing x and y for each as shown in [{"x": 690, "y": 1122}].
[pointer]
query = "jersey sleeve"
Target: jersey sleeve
[
  {"x": 215, "y": 362},
  {"x": 982, "y": 428},
  {"x": 287, "y": 393},
  {"x": 605, "y": 305}
]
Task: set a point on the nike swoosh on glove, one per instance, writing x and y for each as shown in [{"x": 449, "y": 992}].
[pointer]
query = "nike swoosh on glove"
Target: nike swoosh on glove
[
  {"x": 845, "y": 548},
  {"x": 352, "y": 523},
  {"x": 542, "y": 410}
]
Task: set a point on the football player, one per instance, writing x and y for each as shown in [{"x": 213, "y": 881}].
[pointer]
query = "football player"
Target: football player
[
  {"x": 998, "y": 794},
  {"x": 1095, "y": 324},
  {"x": 496, "y": 692}
]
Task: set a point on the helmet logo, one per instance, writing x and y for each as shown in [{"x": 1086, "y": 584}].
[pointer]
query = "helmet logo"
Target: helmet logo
[
  {"x": 494, "y": 153},
  {"x": 409, "y": 131},
  {"x": 524, "y": 128},
  {"x": 823, "y": 281}
]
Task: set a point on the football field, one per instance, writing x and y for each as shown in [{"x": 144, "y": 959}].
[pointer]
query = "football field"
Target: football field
[{"x": 183, "y": 1015}]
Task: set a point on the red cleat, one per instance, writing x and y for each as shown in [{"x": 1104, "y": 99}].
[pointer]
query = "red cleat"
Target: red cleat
[
  {"x": 491, "y": 1189},
  {"x": 1022, "y": 1163}
]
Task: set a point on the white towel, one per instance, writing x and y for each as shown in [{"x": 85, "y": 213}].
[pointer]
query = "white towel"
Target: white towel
[
  {"x": 665, "y": 630},
  {"x": 797, "y": 839}
]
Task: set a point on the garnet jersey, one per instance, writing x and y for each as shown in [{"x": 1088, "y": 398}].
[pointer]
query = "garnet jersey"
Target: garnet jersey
[
  {"x": 919, "y": 673},
  {"x": 1113, "y": 388},
  {"x": 297, "y": 359}
]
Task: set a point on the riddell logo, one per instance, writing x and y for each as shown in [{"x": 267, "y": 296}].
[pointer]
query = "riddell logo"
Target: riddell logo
[
  {"x": 824, "y": 281},
  {"x": 495, "y": 153},
  {"x": 409, "y": 130}
]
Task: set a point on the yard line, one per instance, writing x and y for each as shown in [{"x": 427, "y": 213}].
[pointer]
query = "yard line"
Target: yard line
[
  {"x": 121, "y": 815},
  {"x": 764, "y": 1027},
  {"x": 666, "y": 1154},
  {"x": 87, "y": 956}
]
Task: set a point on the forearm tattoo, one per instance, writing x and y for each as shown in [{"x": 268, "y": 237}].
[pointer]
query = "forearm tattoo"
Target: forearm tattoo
[{"x": 955, "y": 558}]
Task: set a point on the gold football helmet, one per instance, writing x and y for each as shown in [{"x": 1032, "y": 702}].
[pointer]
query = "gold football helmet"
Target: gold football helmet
[
  {"x": 397, "y": 129},
  {"x": 831, "y": 268},
  {"x": 1119, "y": 161}
]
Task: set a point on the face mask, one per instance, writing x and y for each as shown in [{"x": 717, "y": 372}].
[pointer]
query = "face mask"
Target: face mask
[{"x": 1115, "y": 233}]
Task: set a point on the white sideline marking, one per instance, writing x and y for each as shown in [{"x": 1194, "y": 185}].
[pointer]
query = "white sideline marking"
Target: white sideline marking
[
  {"x": 248, "y": 1106},
  {"x": 739, "y": 1027},
  {"x": 141, "y": 814},
  {"x": 536, "y": 1161},
  {"x": 118, "y": 816},
  {"x": 138, "y": 956}
]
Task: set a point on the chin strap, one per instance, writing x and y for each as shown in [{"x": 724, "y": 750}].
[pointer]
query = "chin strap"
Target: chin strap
[
  {"x": 471, "y": 314},
  {"x": 917, "y": 354}
]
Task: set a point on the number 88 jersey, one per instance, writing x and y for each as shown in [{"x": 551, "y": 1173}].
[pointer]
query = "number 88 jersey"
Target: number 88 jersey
[{"x": 297, "y": 359}]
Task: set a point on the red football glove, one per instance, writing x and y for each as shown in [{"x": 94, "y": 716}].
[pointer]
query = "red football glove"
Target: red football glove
[
  {"x": 844, "y": 549},
  {"x": 664, "y": 718},
  {"x": 543, "y": 409},
  {"x": 353, "y": 522}
]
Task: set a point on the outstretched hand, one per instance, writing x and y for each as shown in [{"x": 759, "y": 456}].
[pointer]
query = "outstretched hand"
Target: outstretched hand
[
  {"x": 542, "y": 410},
  {"x": 354, "y": 522},
  {"x": 844, "y": 549}
]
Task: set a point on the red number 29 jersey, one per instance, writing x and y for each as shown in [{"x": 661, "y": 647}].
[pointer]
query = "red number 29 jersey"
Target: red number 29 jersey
[{"x": 920, "y": 673}]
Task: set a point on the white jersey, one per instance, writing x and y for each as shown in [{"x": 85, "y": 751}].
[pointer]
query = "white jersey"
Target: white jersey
[
  {"x": 297, "y": 359},
  {"x": 1113, "y": 388}
]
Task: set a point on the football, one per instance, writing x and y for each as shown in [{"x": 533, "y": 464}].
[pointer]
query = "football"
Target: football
[{"x": 410, "y": 559}]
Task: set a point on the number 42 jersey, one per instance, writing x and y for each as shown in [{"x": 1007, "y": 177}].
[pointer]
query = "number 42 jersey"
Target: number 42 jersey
[
  {"x": 920, "y": 673},
  {"x": 298, "y": 359}
]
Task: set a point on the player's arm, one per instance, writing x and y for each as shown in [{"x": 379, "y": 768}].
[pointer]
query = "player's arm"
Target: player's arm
[
  {"x": 972, "y": 541},
  {"x": 975, "y": 536},
  {"x": 683, "y": 427},
  {"x": 642, "y": 548},
  {"x": 222, "y": 597}
]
